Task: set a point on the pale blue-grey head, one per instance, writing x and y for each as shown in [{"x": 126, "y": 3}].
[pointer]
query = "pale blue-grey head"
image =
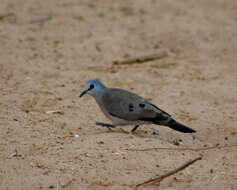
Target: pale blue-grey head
[{"x": 94, "y": 88}]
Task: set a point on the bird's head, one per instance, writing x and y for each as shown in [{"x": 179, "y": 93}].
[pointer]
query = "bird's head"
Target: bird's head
[{"x": 93, "y": 87}]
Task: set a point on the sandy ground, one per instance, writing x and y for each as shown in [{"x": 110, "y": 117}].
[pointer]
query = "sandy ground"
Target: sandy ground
[{"x": 48, "y": 49}]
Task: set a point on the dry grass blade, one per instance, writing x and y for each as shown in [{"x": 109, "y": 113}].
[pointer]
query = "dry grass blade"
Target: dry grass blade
[
  {"x": 141, "y": 59},
  {"x": 15, "y": 154},
  {"x": 41, "y": 20},
  {"x": 157, "y": 180}
]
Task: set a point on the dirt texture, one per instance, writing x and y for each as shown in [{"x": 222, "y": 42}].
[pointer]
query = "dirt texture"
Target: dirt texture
[{"x": 48, "y": 136}]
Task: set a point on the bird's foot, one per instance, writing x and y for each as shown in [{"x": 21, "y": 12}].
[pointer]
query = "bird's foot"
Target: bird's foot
[
  {"x": 134, "y": 129},
  {"x": 107, "y": 125}
]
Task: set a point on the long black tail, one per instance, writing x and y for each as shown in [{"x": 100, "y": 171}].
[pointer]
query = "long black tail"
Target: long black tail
[{"x": 179, "y": 127}]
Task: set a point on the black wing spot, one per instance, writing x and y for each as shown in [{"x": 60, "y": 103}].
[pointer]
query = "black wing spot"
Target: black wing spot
[
  {"x": 130, "y": 107},
  {"x": 142, "y": 105}
]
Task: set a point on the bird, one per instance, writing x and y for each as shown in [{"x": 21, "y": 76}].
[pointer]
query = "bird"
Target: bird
[{"x": 127, "y": 108}]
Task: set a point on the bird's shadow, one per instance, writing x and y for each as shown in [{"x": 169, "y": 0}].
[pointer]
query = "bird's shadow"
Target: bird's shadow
[
  {"x": 139, "y": 133},
  {"x": 148, "y": 134}
]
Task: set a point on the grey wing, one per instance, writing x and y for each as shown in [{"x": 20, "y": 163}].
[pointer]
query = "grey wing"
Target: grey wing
[{"x": 129, "y": 106}]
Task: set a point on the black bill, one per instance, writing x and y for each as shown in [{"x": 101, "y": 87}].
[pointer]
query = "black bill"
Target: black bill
[{"x": 84, "y": 92}]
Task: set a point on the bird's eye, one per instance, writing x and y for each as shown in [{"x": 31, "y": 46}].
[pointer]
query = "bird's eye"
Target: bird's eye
[{"x": 92, "y": 86}]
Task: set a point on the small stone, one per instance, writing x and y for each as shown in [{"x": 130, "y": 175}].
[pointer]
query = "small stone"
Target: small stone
[
  {"x": 27, "y": 111},
  {"x": 176, "y": 142},
  {"x": 156, "y": 46}
]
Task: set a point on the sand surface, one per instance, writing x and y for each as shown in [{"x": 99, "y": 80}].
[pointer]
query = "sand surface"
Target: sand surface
[{"x": 48, "y": 49}]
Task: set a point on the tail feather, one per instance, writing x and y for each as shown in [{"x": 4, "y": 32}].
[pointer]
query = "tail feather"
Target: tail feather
[{"x": 179, "y": 127}]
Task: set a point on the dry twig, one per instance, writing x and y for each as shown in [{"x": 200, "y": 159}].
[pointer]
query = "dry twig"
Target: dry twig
[
  {"x": 184, "y": 149},
  {"x": 2, "y": 16},
  {"x": 61, "y": 112},
  {"x": 157, "y": 180},
  {"x": 141, "y": 59}
]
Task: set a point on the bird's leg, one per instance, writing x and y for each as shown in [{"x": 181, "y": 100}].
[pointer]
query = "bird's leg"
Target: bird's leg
[
  {"x": 135, "y": 128},
  {"x": 109, "y": 126}
]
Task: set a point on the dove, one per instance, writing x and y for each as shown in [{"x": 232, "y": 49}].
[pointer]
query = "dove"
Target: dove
[{"x": 127, "y": 108}]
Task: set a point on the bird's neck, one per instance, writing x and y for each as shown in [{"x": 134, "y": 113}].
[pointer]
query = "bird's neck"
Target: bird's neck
[{"x": 98, "y": 94}]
